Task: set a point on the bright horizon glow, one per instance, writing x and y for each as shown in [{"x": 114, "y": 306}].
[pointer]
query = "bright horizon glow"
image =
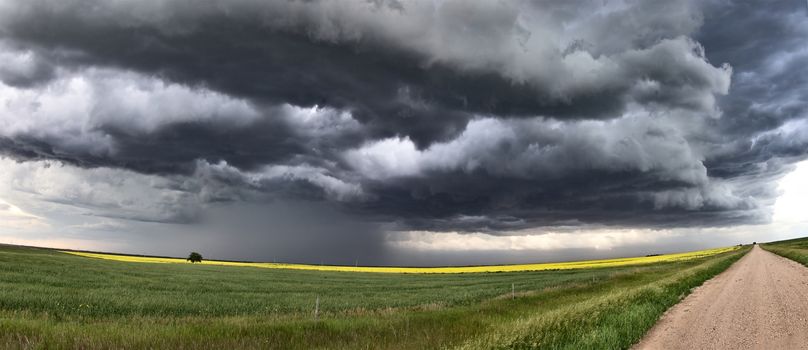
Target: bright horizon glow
[
  {"x": 788, "y": 221},
  {"x": 792, "y": 204}
]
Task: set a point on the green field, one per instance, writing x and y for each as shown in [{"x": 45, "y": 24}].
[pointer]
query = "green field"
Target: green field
[
  {"x": 54, "y": 300},
  {"x": 794, "y": 249}
]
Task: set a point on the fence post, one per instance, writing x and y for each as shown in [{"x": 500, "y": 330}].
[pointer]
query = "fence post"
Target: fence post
[{"x": 317, "y": 308}]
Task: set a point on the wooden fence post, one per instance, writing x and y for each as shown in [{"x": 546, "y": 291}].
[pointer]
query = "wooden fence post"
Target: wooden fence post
[{"x": 317, "y": 308}]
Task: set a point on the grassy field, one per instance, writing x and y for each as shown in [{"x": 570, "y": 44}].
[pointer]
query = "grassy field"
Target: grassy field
[
  {"x": 794, "y": 249},
  {"x": 53, "y": 300}
]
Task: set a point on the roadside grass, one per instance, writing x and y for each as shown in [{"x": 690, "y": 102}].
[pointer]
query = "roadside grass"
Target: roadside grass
[
  {"x": 53, "y": 300},
  {"x": 794, "y": 249}
]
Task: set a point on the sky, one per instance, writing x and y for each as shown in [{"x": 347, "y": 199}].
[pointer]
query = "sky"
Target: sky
[{"x": 380, "y": 132}]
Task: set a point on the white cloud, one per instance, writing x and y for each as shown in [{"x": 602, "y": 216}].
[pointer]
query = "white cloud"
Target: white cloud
[
  {"x": 74, "y": 109},
  {"x": 792, "y": 205},
  {"x": 319, "y": 121},
  {"x": 268, "y": 176},
  {"x": 99, "y": 191},
  {"x": 542, "y": 148},
  {"x": 524, "y": 240},
  {"x": 104, "y": 225},
  {"x": 386, "y": 158},
  {"x": 21, "y": 67},
  {"x": 12, "y": 217}
]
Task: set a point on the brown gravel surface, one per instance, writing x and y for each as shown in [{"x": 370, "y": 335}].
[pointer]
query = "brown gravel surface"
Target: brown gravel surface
[{"x": 760, "y": 302}]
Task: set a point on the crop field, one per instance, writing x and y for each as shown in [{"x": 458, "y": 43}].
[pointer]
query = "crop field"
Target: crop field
[
  {"x": 55, "y": 300},
  {"x": 794, "y": 249},
  {"x": 586, "y": 264}
]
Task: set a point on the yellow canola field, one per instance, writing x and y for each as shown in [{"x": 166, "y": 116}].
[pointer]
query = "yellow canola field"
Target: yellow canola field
[{"x": 459, "y": 269}]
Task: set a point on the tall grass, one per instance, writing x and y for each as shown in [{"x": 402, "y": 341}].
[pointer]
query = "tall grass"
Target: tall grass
[
  {"x": 794, "y": 249},
  {"x": 54, "y": 300}
]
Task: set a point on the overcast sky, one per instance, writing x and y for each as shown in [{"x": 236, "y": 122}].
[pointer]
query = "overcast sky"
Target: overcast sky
[{"x": 402, "y": 132}]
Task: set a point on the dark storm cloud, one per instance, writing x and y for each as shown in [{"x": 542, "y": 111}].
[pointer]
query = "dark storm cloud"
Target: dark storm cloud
[
  {"x": 459, "y": 202},
  {"x": 765, "y": 44},
  {"x": 463, "y": 115},
  {"x": 395, "y": 77},
  {"x": 23, "y": 69}
]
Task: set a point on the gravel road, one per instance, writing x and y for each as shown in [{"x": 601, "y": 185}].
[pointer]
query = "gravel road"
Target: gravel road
[{"x": 760, "y": 302}]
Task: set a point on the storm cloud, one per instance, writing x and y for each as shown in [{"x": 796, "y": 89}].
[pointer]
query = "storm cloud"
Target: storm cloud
[{"x": 461, "y": 116}]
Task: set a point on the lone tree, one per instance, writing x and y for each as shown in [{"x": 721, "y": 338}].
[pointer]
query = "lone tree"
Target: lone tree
[{"x": 195, "y": 257}]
